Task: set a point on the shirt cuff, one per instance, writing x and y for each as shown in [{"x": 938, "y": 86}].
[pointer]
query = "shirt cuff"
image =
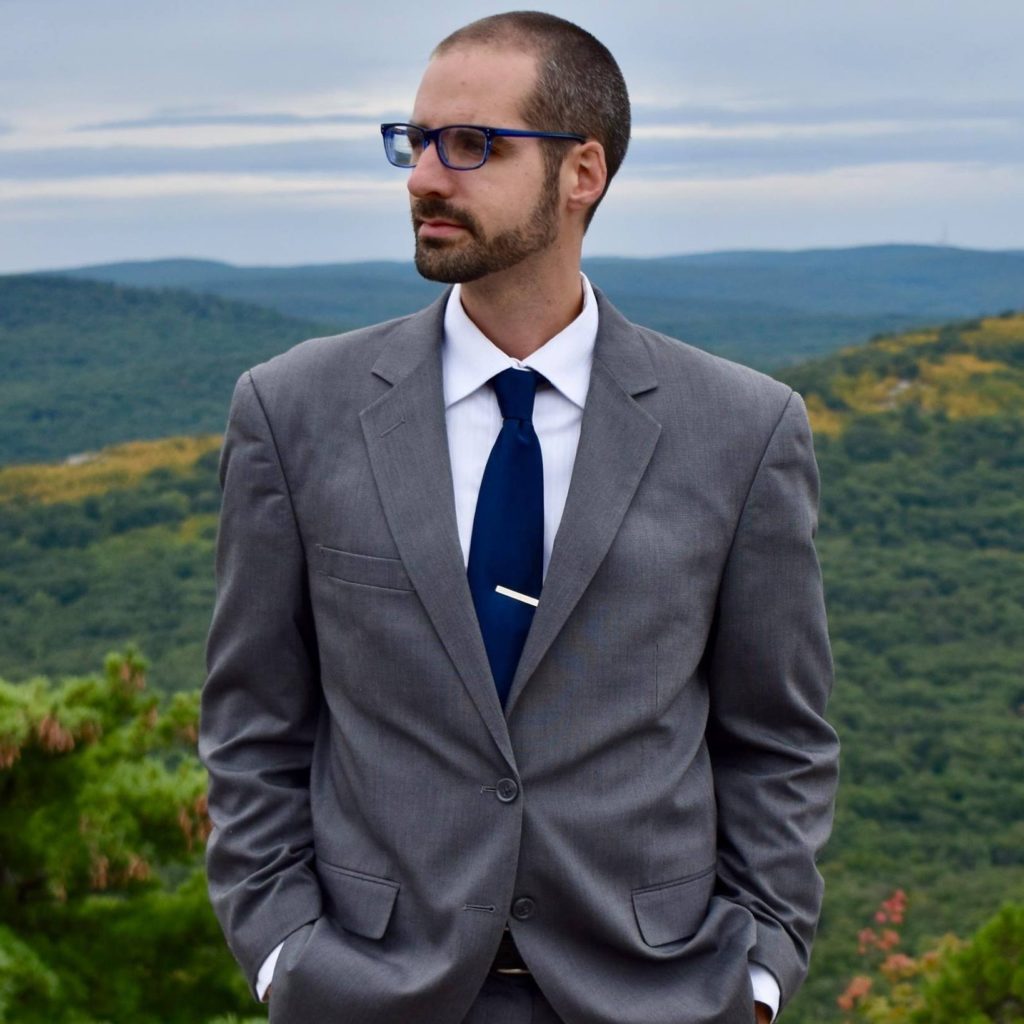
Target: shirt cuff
[
  {"x": 766, "y": 988},
  {"x": 266, "y": 974}
]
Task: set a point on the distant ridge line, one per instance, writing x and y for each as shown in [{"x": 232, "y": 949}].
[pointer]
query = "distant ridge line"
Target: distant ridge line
[{"x": 197, "y": 262}]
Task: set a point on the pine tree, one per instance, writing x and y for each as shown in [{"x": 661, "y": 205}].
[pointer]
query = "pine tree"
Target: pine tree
[{"x": 102, "y": 825}]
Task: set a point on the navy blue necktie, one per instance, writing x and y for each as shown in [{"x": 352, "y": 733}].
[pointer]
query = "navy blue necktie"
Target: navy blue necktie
[{"x": 506, "y": 551}]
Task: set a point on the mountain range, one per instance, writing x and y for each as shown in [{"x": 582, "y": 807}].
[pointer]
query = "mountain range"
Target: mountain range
[
  {"x": 763, "y": 308},
  {"x": 130, "y": 351}
]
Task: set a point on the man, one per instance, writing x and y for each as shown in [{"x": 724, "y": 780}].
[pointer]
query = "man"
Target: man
[{"x": 519, "y": 661}]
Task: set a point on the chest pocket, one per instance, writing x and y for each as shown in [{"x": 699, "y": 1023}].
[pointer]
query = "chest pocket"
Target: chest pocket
[{"x": 363, "y": 570}]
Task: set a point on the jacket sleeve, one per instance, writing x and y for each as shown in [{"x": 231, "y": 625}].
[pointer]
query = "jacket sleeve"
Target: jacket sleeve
[
  {"x": 774, "y": 757},
  {"x": 261, "y": 700}
]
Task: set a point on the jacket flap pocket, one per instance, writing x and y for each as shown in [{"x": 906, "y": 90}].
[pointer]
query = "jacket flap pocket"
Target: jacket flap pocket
[
  {"x": 673, "y": 910},
  {"x": 359, "y": 903},
  {"x": 369, "y": 570}
]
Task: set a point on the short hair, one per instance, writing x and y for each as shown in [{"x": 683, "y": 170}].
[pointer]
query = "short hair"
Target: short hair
[{"x": 579, "y": 86}]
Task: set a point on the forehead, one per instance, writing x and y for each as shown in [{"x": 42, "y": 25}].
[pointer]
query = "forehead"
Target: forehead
[{"x": 475, "y": 85}]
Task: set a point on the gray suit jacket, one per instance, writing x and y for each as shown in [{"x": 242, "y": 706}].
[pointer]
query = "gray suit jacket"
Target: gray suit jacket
[{"x": 646, "y": 810}]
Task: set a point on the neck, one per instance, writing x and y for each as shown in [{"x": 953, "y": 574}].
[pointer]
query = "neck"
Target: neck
[{"x": 522, "y": 308}]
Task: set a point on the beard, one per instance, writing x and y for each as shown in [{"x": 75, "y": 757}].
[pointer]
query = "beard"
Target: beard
[{"x": 469, "y": 259}]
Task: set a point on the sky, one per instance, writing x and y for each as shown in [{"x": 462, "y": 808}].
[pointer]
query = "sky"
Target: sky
[{"x": 246, "y": 130}]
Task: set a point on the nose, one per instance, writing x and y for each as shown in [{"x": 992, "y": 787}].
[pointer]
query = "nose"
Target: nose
[{"x": 430, "y": 177}]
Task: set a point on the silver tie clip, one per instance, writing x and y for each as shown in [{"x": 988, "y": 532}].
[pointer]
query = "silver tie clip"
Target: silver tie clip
[{"x": 525, "y": 598}]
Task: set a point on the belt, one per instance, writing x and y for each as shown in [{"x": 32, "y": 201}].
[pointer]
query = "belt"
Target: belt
[{"x": 508, "y": 960}]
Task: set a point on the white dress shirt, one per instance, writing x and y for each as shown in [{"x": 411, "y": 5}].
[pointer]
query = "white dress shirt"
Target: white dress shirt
[{"x": 469, "y": 359}]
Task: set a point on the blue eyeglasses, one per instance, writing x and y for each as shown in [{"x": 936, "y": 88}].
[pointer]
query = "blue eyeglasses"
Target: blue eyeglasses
[{"x": 462, "y": 147}]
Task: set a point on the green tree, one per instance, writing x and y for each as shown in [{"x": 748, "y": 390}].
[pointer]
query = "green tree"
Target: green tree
[
  {"x": 983, "y": 983},
  {"x": 980, "y": 981},
  {"x": 102, "y": 825}
]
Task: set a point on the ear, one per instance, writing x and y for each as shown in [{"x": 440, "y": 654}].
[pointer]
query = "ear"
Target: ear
[{"x": 585, "y": 174}]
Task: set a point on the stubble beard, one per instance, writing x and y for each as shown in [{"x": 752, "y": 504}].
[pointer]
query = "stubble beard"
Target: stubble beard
[{"x": 457, "y": 261}]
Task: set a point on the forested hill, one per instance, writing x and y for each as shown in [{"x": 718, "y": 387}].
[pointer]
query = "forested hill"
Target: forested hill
[
  {"x": 920, "y": 441},
  {"x": 767, "y": 309},
  {"x": 970, "y": 369},
  {"x": 87, "y": 364}
]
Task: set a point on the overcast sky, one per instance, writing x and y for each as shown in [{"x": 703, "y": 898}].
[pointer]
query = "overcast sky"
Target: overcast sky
[{"x": 246, "y": 130}]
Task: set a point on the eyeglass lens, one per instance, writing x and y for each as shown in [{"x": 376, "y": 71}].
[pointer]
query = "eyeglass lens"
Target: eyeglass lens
[
  {"x": 459, "y": 147},
  {"x": 463, "y": 147},
  {"x": 404, "y": 145}
]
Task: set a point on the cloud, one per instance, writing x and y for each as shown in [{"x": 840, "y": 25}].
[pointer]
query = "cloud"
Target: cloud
[
  {"x": 340, "y": 157},
  {"x": 669, "y": 142},
  {"x": 667, "y": 155},
  {"x": 266, "y": 119},
  {"x": 331, "y": 189},
  {"x": 884, "y": 182},
  {"x": 195, "y": 133},
  {"x": 893, "y": 109}
]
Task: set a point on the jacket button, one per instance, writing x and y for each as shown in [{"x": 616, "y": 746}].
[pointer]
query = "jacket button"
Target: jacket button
[
  {"x": 523, "y": 908},
  {"x": 507, "y": 790}
]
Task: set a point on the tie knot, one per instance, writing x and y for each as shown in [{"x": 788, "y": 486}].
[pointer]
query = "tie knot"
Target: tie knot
[{"x": 516, "y": 390}]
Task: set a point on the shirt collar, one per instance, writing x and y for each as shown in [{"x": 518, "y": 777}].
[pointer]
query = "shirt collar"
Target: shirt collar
[{"x": 470, "y": 358}]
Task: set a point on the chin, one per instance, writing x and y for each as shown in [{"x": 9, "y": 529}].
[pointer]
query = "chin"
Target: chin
[{"x": 437, "y": 263}]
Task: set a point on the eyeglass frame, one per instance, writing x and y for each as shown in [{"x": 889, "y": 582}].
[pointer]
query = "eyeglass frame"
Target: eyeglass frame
[{"x": 432, "y": 135}]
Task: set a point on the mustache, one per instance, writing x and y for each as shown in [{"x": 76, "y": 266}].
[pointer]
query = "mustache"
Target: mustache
[{"x": 440, "y": 209}]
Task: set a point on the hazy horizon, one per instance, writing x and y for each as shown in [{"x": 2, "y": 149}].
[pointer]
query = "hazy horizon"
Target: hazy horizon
[{"x": 270, "y": 265}]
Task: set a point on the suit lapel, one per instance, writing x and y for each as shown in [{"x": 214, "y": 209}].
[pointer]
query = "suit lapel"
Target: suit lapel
[
  {"x": 408, "y": 448},
  {"x": 617, "y": 439},
  {"x": 407, "y": 443}
]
